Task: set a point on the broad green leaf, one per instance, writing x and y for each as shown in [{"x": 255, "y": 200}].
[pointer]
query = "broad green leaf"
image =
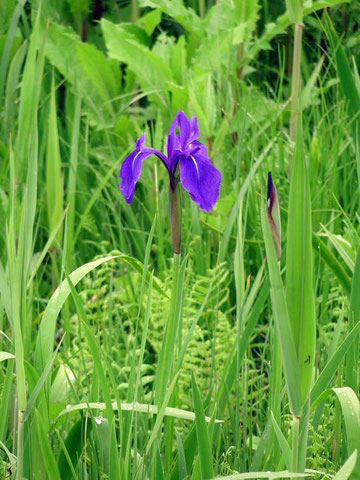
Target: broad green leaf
[
  {"x": 150, "y": 21},
  {"x": 90, "y": 73},
  {"x": 151, "y": 71},
  {"x": 299, "y": 268},
  {"x": 176, "y": 9}
]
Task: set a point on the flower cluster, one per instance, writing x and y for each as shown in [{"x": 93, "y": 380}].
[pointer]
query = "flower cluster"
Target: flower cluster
[{"x": 186, "y": 161}]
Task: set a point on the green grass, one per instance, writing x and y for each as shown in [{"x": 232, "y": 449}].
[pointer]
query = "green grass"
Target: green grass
[{"x": 120, "y": 360}]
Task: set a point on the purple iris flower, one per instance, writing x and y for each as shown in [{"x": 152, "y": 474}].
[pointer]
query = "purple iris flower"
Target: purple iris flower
[{"x": 197, "y": 174}]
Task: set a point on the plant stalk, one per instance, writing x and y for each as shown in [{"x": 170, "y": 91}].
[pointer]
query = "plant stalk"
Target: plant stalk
[
  {"x": 175, "y": 217},
  {"x": 296, "y": 79},
  {"x": 295, "y": 444}
]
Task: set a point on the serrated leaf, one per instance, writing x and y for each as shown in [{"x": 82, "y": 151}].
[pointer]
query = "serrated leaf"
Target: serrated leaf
[
  {"x": 90, "y": 73},
  {"x": 151, "y": 72}
]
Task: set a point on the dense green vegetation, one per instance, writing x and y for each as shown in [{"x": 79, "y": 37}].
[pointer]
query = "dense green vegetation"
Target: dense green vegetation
[{"x": 120, "y": 359}]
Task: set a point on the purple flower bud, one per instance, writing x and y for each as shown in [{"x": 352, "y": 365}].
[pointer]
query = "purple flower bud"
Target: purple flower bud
[{"x": 274, "y": 215}]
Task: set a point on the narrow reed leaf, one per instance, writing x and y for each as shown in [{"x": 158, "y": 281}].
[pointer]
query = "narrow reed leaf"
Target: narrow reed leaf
[
  {"x": 202, "y": 434},
  {"x": 54, "y": 177},
  {"x": 349, "y": 88},
  {"x": 268, "y": 475},
  {"x": 235, "y": 210},
  {"x": 5, "y": 292},
  {"x": 45, "y": 338},
  {"x": 182, "y": 460},
  {"x": 44, "y": 374},
  {"x": 284, "y": 446},
  {"x": 72, "y": 448},
  {"x": 282, "y": 321},
  {"x": 299, "y": 268},
  {"x": 95, "y": 349},
  {"x": 134, "y": 407},
  {"x": 352, "y": 367},
  {"x": 347, "y": 81},
  {"x": 161, "y": 414},
  {"x": 346, "y": 470},
  {"x": 5, "y": 356},
  {"x": 167, "y": 351},
  {"x": 350, "y": 407},
  {"x": 46, "y": 450},
  {"x": 343, "y": 247},
  {"x": 333, "y": 263},
  {"x": 324, "y": 380}
]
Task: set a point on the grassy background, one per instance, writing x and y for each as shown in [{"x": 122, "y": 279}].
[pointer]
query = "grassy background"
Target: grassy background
[{"x": 79, "y": 81}]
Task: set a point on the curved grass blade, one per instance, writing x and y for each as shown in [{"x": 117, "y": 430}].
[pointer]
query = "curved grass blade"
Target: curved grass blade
[
  {"x": 134, "y": 407},
  {"x": 346, "y": 470}
]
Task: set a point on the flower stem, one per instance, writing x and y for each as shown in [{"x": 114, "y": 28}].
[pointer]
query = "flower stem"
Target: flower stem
[
  {"x": 296, "y": 79},
  {"x": 175, "y": 218},
  {"x": 295, "y": 444}
]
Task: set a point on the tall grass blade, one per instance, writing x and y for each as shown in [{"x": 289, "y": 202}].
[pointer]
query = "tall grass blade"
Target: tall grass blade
[
  {"x": 352, "y": 367},
  {"x": 54, "y": 178},
  {"x": 299, "y": 268},
  {"x": 282, "y": 320},
  {"x": 202, "y": 434}
]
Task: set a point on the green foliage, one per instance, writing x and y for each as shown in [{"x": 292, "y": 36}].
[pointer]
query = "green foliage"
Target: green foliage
[{"x": 108, "y": 370}]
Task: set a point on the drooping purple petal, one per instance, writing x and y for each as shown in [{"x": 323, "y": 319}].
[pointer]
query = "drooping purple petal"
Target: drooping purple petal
[
  {"x": 131, "y": 167},
  {"x": 130, "y": 172},
  {"x": 201, "y": 179}
]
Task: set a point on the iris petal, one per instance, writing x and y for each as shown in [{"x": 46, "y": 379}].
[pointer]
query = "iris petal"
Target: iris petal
[
  {"x": 130, "y": 172},
  {"x": 201, "y": 179}
]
